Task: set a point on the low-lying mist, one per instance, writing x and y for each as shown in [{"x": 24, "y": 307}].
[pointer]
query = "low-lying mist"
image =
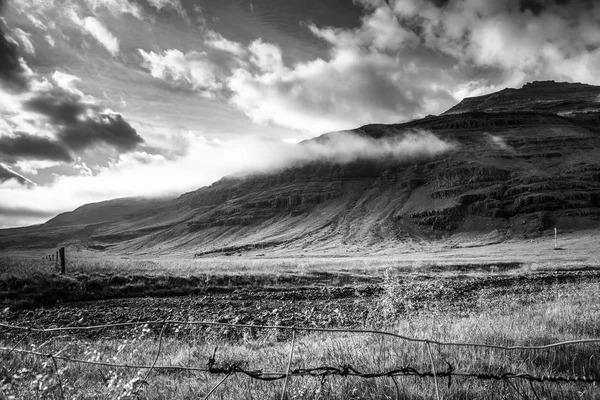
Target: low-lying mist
[{"x": 345, "y": 147}]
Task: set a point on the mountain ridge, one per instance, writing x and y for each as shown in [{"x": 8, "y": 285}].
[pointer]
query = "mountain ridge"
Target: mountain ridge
[{"x": 525, "y": 160}]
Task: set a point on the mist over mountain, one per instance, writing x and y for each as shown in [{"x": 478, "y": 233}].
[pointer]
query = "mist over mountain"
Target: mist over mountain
[{"x": 508, "y": 165}]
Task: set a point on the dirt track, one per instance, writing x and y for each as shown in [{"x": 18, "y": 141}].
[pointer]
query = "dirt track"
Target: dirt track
[{"x": 347, "y": 306}]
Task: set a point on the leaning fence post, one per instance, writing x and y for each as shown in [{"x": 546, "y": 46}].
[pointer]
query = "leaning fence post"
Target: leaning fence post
[
  {"x": 61, "y": 251},
  {"x": 287, "y": 374},
  {"x": 437, "y": 390}
]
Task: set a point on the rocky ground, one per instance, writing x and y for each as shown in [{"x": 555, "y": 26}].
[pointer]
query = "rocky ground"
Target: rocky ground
[{"x": 320, "y": 306}]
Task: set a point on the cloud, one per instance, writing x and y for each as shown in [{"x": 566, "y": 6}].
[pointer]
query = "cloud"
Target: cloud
[
  {"x": 6, "y": 174},
  {"x": 21, "y": 216},
  {"x": 23, "y": 145},
  {"x": 205, "y": 71},
  {"x": 193, "y": 68},
  {"x": 379, "y": 31},
  {"x": 160, "y": 4},
  {"x": 79, "y": 120},
  {"x": 170, "y": 4},
  {"x": 25, "y": 40},
  {"x": 524, "y": 40},
  {"x": 103, "y": 128},
  {"x": 141, "y": 173},
  {"x": 499, "y": 142},
  {"x": 14, "y": 73},
  {"x": 117, "y": 7},
  {"x": 406, "y": 59},
  {"x": 353, "y": 88},
  {"x": 364, "y": 79},
  {"x": 347, "y": 146},
  {"x": 60, "y": 106},
  {"x": 266, "y": 56},
  {"x": 101, "y": 34},
  {"x": 55, "y": 120},
  {"x": 98, "y": 31},
  {"x": 48, "y": 120},
  {"x": 217, "y": 41}
]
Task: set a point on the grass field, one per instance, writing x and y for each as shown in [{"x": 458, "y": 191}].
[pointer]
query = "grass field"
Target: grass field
[
  {"x": 565, "y": 312},
  {"x": 457, "y": 295}
]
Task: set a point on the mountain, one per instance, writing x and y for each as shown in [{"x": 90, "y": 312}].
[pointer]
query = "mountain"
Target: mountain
[{"x": 520, "y": 162}]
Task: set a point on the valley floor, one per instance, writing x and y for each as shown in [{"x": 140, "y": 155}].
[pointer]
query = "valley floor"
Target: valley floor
[
  {"x": 523, "y": 294},
  {"x": 505, "y": 304}
]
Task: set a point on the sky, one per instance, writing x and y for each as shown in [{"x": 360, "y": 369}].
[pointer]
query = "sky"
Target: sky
[{"x": 102, "y": 99}]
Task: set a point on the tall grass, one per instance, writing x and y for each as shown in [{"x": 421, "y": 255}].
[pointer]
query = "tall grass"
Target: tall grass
[{"x": 567, "y": 312}]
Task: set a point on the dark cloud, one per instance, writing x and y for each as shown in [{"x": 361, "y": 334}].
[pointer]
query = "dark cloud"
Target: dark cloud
[
  {"x": 12, "y": 73},
  {"x": 6, "y": 174},
  {"x": 80, "y": 124},
  {"x": 57, "y": 104},
  {"x": 110, "y": 129},
  {"x": 534, "y": 6},
  {"x": 77, "y": 121},
  {"x": 28, "y": 146}
]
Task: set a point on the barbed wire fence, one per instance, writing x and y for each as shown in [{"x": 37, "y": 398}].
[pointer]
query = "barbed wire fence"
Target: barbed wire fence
[{"x": 321, "y": 372}]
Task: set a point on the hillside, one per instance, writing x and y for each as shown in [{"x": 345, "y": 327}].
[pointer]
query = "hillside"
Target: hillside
[{"x": 522, "y": 161}]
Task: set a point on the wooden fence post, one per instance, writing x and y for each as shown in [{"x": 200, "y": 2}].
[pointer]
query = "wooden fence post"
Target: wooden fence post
[{"x": 62, "y": 260}]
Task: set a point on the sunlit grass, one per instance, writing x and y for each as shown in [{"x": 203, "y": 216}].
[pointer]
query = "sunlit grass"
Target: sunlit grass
[{"x": 566, "y": 312}]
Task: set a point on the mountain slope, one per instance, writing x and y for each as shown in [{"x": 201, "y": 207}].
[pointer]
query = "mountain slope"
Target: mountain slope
[{"x": 523, "y": 161}]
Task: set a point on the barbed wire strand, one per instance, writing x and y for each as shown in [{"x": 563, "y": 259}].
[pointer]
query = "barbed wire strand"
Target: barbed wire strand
[
  {"x": 308, "y": 329},
  {"x": 324, "y": 371}
]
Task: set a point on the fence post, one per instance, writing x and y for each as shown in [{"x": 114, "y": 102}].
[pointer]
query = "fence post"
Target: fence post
[
  {"x": 61, "y": 251},
  {"x": 287, "y": 374}
]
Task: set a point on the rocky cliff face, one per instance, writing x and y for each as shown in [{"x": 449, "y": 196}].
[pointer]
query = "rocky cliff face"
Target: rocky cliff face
[{"x": 524, "y": 160}]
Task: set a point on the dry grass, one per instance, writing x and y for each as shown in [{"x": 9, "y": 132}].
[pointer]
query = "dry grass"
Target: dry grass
[
  {"x": 27, "y": 282},
  {"x": 572, "y": 312}
]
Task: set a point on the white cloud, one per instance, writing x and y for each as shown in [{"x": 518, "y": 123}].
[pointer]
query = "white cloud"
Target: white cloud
[
  {"x": 11, "y": 183},
  {"x": 24, "y": 39},
  {"x": 160, "y": 4},
  {"x": 67, "y": 82},
  {"x": 414, "y": 57},
  {"x": 217, "y": 41},
  {"x": 266, "y": 56},
  {"x": 37, "y": 22},
  {"x": 354, "y": 87},
  {"x": 97, "y": 30},
  {"x": 379, "y": 31},
  {"x": 117, "y": 7},
  {"x": 50, "y": 40},
  {"x": 520, "y": 41},
  {"x": 173, "y": 4},
  {"x": 193, "y": 68},
  {"x": 33, "y": 166},
  {"x": 101, "y": 34},
  {"x": 373, "y": 75}
]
